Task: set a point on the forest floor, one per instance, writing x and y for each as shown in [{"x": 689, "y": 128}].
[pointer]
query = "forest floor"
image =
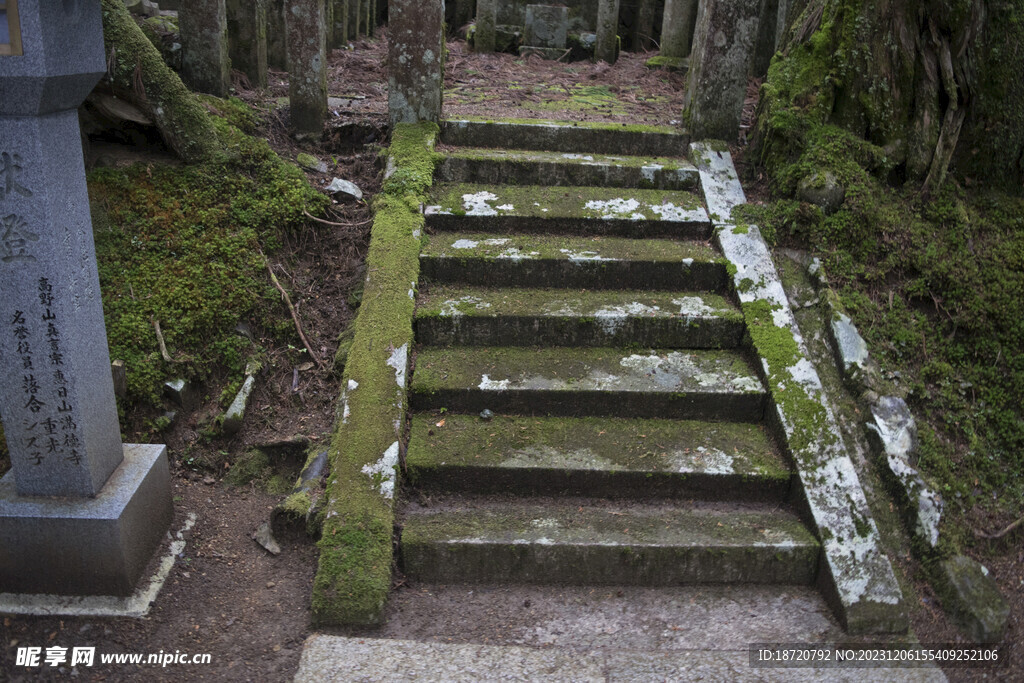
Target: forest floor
[{"x": 228, "y": 597}]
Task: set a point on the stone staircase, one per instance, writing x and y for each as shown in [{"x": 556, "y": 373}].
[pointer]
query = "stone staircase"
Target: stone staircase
[{"x": 584, "y": 411}]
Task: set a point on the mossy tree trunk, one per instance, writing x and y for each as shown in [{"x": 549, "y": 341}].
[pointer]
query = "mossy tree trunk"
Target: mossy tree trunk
[
  {"x": 936, "y": 84},
  {"x": 138, "y": 74}
]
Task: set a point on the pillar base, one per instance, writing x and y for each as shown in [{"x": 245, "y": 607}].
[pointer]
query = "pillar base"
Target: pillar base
[{"x": 87, "y": 546}]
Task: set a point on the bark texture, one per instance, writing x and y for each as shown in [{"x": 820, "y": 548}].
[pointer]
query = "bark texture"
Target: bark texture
[{"x": 925, "y": 80}]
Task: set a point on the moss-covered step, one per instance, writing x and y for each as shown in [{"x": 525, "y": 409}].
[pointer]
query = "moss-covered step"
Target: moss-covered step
[
  {"x": 697, "y": 384},
  {"x": 565, "y": 136},
  {"x": 573, "y": 210},
  {"x": 569, "y": 542},
  {"x": 526, "y": 167},
  {"x": 595, "y": 456},
  {"x": 448, "y": 315},
  {"x": 578, "y": 262}
]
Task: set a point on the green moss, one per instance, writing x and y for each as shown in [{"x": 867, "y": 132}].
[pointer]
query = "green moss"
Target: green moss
[
  {"x": 591, "y": 125},
  {"x": 354, "y": 569},
  {"x": 251, "y": 467},
  {"x": 182, "y": 245}
]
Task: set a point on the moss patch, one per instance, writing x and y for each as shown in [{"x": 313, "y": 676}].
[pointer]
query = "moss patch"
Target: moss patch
[{"x": 182, "y": 245}]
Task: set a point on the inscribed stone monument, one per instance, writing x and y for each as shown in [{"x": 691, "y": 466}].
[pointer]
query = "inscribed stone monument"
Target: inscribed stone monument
[
  {"x": 546, "y": 26},
  {"x": 79, "y": 512},
  {"x": 415, "y": 51}
]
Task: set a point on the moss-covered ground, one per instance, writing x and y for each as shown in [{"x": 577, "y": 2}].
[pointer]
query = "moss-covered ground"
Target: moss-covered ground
[{"x": 185, "y": 245}]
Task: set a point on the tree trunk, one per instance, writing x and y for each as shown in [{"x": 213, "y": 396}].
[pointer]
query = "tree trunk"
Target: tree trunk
[
  {"x": 139, "y": 75},
  {"x": 914, "y": 77}
]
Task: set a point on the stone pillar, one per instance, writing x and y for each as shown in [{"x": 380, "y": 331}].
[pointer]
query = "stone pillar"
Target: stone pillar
[
  {"x": 205, "y": 67},
  {"x": 277, "y": 46},
  {"x": 353, "y": 19},
  {"x": 723, "y": 46},
  {"x": 339, "y": 29},
  {"x": 607, "y": 46},
  {"x": 80, "y": 513},
  {"x": 307, "y": 57},
  {"x": 643, "y": 27},
  {"x": 462, "y": 15},
  {"x": 247, "y": 39},
  {"x": 677, "y": 28},
  {"x": 485, "y": 35},
  {"x": 415, "y": 51}
]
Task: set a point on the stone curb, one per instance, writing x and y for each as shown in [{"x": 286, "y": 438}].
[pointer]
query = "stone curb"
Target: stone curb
[
  {"x": 356, "y": 554},
  {"x": 856, "y": 574},
  {"x": 966, "y": 589}
]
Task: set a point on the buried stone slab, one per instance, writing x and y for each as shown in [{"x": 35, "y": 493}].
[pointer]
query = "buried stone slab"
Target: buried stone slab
[
  {"x": 556, "y": 317},
  {"x": 529, "y": 208},
  {"x": 582, "y": 543},
  {"x": 565, "y": 136},
  {"x": 577, "y": 262},
  {"x": 715, "y": 385},
  {"x": 858, "y": 575},
  {"x": 520, "y": 167},
  {"x": 614, "y": 457},
  {"x": 235, "y": 414}
]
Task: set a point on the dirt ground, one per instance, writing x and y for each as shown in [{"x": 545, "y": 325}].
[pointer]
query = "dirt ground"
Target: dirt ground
[{"x": 226, "y": 595}]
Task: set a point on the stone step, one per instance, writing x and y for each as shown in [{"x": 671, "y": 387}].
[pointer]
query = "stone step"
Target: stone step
[
  {"x": 571, "y": 210},
  {"x": 565, "y": 136},
  {"x": 449, "y": 315},
  {"x": 485, "y": 259},
  {"x": 593, "y": 542},
  {"x": 698, "y": 384},
  {"x": 525, "y": 167},
  {"x": 595, "y": 456}
]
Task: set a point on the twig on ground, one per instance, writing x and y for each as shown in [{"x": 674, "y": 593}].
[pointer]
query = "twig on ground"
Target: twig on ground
[
  {"x": 1002, "y": 533},
  {"x": 337, "y": 225},
  {"x": 291, "y": 309},
  {"x": 160, "y": 341}
]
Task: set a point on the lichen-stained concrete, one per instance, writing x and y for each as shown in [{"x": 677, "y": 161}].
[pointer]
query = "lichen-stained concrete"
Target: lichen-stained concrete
[
  {"x": 205, "y": 66},
  {"x": 416, "y": 60},
  {"x": 520, "y": 167},
  {"x": 723, "y": 45},
  {"x": 862, "y": 582},
  {"x": 307, "y": 66}
]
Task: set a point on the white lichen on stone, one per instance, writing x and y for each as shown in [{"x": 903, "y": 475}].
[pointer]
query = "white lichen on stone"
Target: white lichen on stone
[
  {"x": 585, "y": 256},
  {"x": 704, "y": 460},
  {"x": 465, "y": 244},
  {"x": 353, "y": 385},
  {"x": 514, "y": 254},
  {"x": 382, "y": 472},
  {"x": 616, "y": 208},
  {"x": 611, "y": 318},
  {"x": 805, "y": 375},
  {"x": 399, "y": 360},
  {"x": 553, "y": 458},
  {"x": 475, "y": 204},
  {"x": 649, "y": 173},
  {"x": 488, "y": 384},
  {"x": 671, "y": 212},
  {"x": 453, "y": 307},
  {"x": 692, "y": 305},
  {"x": 579, "y": 157}
]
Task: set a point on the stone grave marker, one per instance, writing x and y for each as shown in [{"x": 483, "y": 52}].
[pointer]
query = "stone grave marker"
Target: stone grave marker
[
  {"x": 306, "y": 30},
  {"x": 547, "y": 25},
  {"x": 546, "y": 30},
  {"x": 205, "y": 65},
  {"x": 80, "y": 513}
]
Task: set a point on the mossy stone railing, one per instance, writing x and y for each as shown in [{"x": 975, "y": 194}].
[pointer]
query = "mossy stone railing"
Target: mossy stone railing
[{"x": 354, "y": 573}]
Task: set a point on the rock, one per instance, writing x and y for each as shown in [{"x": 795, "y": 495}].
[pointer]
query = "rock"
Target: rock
[
  {"x": 236, "y": 411},
  {"x": 851, "y": 348},
  {"x": 486, "y": 414},
  {"x": 344, "y": 189},
  {"x": 823, "y": 190},
  {"x": 181, "y": 392},
  {"x": 971, "y": 596},
  {"x": 263, "y": 536},
  {"x": 895, "y": 432},
  {"x": 311, "y": 163}
]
